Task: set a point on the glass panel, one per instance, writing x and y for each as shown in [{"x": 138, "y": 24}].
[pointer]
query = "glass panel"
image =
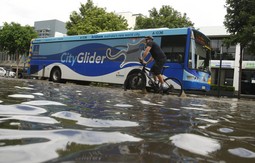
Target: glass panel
[
  {"x": 174, "y": 48},
  {"x": 248, "y": 56},
  {"x": 199, "y": 56},
  {"x": 228, "y": 53},
  {"x": 229, "y": 76},
  {"x": 36, "y": 50}
]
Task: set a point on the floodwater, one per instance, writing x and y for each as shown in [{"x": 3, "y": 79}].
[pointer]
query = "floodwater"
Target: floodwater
[{"x": 48, "y": 122}]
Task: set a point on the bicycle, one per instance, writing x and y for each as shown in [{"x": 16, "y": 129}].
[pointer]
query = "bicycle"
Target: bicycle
[{"x": 137, "y": 81}]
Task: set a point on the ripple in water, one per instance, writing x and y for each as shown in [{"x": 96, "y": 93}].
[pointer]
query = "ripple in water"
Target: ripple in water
[
  {"x": 36, "y": 119},
  {"x": 226, "y": 130},
  {"x": 38, "y": 94},
  {"x": 150, "y": 103},
  {"x": 21, "y": 96},
  {"x": 57, "y": 140},
  {"x": 42, "y": 103},
  {"x": 20, "y": 109},
  {"x": 242, "y": 152},
  {"x": 26, "y": 88},
  {"x": 93, "y": 122},
  {"x": 124, "y": 105},
  {"x": 195, "y": 143}
]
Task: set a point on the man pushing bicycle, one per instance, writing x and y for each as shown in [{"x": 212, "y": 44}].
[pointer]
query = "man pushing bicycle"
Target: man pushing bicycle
[{"x": 158, "y": 56}]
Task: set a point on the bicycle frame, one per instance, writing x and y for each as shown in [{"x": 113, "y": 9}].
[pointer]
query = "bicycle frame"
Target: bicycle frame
[{"x": 146, "y": 71}]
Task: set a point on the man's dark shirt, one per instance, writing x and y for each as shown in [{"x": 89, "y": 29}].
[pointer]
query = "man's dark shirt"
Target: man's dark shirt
[{"x": 156, "y": 51}]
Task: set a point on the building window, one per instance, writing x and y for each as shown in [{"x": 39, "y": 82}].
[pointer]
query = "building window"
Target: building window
[
  {"x": 228, "y": 53},
  {"x": 229, "y": 76},
  {"x": 248, "y": 56}
]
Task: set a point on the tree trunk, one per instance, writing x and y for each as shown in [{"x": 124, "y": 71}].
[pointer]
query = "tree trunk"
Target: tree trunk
[{"x": 17, "y": 68}]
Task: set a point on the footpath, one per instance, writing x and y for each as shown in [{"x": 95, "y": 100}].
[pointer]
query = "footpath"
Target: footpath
[{"x": 221, "y": 94}]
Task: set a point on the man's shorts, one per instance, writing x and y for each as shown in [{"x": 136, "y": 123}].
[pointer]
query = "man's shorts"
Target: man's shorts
[{"x": 157, "y": 67}]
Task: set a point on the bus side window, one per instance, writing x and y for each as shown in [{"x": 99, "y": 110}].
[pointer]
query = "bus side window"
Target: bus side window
[
  {"x": 174, "y": 57},
  {"x": 180, "y": 58}
]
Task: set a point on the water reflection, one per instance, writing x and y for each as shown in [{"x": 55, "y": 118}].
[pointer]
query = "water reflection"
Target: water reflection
[
  {"x": 68, "y": 122},
  {"x": 196, "y": 144},
  {"x": 56, "y": 140},
  {"x": 20, "y": 109},
  {"x": 93, "y": 122}
]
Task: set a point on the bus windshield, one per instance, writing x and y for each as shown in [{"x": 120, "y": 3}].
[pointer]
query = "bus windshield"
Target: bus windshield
[{"x": 199, "y": 55}]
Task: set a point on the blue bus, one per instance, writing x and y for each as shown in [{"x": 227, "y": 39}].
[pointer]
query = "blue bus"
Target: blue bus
[{"x": 110, "y": 57}]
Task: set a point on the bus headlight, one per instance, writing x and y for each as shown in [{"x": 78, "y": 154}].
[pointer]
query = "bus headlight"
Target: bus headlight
[{"x": 209, "y": 80}]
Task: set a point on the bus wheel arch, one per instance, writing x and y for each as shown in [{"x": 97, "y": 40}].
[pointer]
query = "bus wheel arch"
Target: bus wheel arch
[
  {"x": 55, "y": 74},
  {"x": 134, "y": 71}
]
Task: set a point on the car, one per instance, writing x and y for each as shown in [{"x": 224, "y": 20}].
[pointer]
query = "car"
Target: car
[
  {"x": 8, "y": 73},
  {"x": 2, "y": 71}
]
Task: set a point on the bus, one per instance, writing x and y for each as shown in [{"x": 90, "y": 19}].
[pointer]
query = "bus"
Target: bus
[{"x": 109, "y": 57}]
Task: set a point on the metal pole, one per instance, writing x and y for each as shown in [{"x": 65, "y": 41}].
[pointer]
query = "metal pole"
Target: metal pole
[
  {"x": 240, "y": 72},
  {"x": 219, "y": 75}
]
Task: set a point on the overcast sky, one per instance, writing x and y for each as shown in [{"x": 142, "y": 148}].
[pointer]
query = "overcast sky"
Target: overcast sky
[{"x": 26, "y": 12}]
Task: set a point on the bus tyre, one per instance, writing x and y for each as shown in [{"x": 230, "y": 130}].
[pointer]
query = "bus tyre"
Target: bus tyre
[
  {"x": 135, "y": 81},
  {"x": 55, "y": 75}
]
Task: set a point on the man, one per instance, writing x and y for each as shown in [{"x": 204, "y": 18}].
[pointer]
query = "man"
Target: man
[{"x": 158, "y": 55}]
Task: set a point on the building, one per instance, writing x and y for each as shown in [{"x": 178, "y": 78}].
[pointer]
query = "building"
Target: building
[
  {"x": 130, "y": 17},
  {"x": 229, "y": 74},
  {"x": 50, "y": 28}
]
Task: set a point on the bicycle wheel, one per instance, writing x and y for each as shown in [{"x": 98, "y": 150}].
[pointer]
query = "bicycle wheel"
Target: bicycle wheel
[
  {"x": 135, "y": 82},
  {"x": 173, "y": 86}
]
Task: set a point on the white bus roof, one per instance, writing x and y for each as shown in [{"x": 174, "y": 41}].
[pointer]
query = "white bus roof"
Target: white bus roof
[{"x": 117, "y": 34}]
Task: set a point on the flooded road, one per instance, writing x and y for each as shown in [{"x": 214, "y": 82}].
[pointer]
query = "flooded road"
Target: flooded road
[{"x": 47, "y": 122}]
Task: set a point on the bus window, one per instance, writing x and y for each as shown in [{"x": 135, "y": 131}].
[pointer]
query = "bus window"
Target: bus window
[
  {"x": 199, "y": 56},
  {"x": 36, "y": 50},
  {"x": 174, "y": 48}
]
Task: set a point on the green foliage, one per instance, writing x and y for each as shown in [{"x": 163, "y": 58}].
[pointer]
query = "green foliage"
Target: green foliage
[
  {"x": 223, "y": 88},
  {"x": 240, "y": 22},
  {"x": 74, "y": 148},
  {"x": 15, "y": 39},
  {"x": 165, "y": 17},
  {"x": 92, "y": 19}
]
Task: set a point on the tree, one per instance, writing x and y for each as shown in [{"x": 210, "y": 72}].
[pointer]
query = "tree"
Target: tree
[
  {"x": 165, "y": 17},
  {"x": 15, "y": 39},
  {"x": 240, "y": 23},
  {"x": 92, "y": 19}
]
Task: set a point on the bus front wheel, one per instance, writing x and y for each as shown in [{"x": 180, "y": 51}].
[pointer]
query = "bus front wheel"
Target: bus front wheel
[{"x": 55, "y": 75}]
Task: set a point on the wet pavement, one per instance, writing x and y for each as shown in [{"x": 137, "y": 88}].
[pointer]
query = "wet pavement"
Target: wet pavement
[{"x": 42, "y": 121}]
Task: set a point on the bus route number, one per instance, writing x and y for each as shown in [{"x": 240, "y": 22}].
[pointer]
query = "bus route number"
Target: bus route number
[{"x": 158, "y": 33}]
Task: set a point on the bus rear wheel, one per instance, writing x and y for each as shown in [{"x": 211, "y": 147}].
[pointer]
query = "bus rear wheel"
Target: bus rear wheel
[
  {"x": 136, "y": 81},
  {"x": 55, "y": 75}
]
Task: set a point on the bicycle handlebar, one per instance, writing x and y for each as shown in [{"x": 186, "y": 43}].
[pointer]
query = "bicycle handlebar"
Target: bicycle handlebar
[{"x": 141, "y": 61}]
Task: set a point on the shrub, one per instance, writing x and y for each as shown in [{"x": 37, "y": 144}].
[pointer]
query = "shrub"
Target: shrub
[{"x": 223, "y": 88}]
